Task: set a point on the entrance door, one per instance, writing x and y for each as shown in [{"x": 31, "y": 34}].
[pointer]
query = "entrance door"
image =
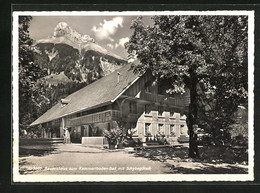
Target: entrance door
[
  {"x": 82, "y": 132},
  {"x": 90, "y": 130},
  {"x": 86, "y": 131}
]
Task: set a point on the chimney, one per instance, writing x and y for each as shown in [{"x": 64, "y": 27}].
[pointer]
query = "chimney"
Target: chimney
[{"x": 118, "y": 77}]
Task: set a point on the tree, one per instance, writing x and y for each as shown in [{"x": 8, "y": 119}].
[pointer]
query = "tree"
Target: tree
[
  {"x": 194, "y": 52},
  {"x": 30, "y": 97},
  {"x": 227, "y": 42}
]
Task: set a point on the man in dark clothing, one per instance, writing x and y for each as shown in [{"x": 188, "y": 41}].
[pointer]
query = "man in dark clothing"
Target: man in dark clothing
[{"x": 194, "y": 141}]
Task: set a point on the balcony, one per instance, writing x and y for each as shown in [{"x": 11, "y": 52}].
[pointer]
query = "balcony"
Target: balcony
[
  {"x": 99, "y": 117},
  {"x": 176, "y": 101}
]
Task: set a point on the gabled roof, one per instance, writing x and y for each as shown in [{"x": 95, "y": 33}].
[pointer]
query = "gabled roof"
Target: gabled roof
[{"x": 101, "y": 92}]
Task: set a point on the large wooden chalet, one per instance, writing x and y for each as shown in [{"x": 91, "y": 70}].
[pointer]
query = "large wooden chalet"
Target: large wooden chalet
[{"x": 121, "y": 95}]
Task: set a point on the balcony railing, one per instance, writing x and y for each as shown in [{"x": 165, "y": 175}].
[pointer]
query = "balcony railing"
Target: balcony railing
[{"x": 103, "y": 116}]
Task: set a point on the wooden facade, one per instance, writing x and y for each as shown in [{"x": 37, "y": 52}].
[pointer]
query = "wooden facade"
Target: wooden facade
[{"x": 141, "y": 106}]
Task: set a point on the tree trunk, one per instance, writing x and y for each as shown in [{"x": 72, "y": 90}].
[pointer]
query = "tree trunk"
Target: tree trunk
[{"x": 193, "y": 117}]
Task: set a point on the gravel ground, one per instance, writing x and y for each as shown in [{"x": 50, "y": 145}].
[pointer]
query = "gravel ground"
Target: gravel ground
[{"x": 77, "y": 159}]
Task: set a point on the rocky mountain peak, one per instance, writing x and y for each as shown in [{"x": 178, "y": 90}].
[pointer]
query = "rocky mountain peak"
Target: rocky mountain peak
[
  {"x": 64, "y": 34},
  {"x": 63, "y": 29},
  {"x": 72, "y": 60}
]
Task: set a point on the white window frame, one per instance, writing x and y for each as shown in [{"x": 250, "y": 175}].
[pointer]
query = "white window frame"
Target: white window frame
[
  {"x": 149, "y": 128},
  {"x": 163, "y": 127}
]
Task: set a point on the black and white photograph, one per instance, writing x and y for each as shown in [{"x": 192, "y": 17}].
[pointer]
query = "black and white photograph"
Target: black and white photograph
[{"x": 133, "y": 96}]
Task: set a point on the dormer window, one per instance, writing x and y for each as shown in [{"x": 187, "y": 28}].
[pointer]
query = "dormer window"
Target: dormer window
[
  {"x": 172, "y": 113},
  {"x": 64, "y": 102},
  {"x": 147, "y": 109},
  {"x": 160, "y": 110}
]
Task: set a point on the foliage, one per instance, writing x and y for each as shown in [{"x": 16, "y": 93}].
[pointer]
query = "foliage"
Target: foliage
[
  {"x": 113, "y": 135},
  {"x": 148, "y": 134},
  {"x": 30, "y": 97},
  {"x": 228, "y": 80},
  {"x": 36, "y": 95},
  {"x": 206, "y": 52}
]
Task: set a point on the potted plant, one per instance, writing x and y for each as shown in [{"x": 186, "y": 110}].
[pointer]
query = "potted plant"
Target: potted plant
[
  {"x": 120, "y": 139},
  {"x": 173, "y": 134},
  {"x": 127, "y": 139},
  {"x": 113, "y": 137},
  {"x": 161, "y": 138}
]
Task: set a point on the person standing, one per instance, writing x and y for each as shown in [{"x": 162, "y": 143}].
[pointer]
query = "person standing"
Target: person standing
[
  {"x": 66, "y": 136},
  {"x": 194, "y": 141}
]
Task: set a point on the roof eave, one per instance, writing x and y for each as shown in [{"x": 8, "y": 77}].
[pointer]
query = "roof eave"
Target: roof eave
[
  {"x": 71, "y": 113},
  {"x": 125, "y": 89}
]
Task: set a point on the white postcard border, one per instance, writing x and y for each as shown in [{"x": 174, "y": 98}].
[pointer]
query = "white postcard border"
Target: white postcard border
[{"x": 130, "y": 178}]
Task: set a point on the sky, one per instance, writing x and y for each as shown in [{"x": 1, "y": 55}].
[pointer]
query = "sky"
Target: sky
[{"x": 110, "y": 32}]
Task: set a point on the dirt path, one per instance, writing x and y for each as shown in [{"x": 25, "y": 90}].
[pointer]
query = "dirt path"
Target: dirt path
[{"x": 77, "y": 159}]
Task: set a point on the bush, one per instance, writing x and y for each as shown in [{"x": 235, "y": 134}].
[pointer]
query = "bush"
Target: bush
[
  {"x": 129, "y": 143},
  {"x": 113, "y": 136},
  {"x": 240, "y": 140}
]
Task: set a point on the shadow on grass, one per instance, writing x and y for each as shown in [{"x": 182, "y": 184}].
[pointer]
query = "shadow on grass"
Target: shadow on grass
[
  {"x": 208, "y": 154},
  {"x": 206, "y": 169},
  {"x": 163, "y": 154},
  {"x": 36, "y": 147},
  {"x": 211, "y": 156}
]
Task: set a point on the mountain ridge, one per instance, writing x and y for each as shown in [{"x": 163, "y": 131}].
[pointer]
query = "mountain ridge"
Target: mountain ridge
[
  {"x": 63, "y": 33},
  {"x": 71, "y": 61}
]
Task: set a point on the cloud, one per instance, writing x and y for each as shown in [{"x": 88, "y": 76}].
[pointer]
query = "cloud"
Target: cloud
[
  {"x": 108, "y": 28},
  {"x": 122, "y": 41},
  {"x": 116, "y": 45}
]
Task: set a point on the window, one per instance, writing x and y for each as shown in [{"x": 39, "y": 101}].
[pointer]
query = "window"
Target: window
[
  {"x": 171, "y": 113},
  {"x": 132, "y": 107},
  {"x": 160, "y": 128},
  {"x": 182, "y": 129},
  {"x": 172, "y": 130},
  {"x": 56, "y": 122},
  {"x": 132, "y": 130},
  {"x": 147, "y": 87},
  {"x": 108, "y": 126},
  {"x": 147, "y": 128},
  {"x": 160, "y": 111},
  {"x": 161, "y": 90},
  {"x": 147, "y": 108},
  {"x": 115, "y": 106}
]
